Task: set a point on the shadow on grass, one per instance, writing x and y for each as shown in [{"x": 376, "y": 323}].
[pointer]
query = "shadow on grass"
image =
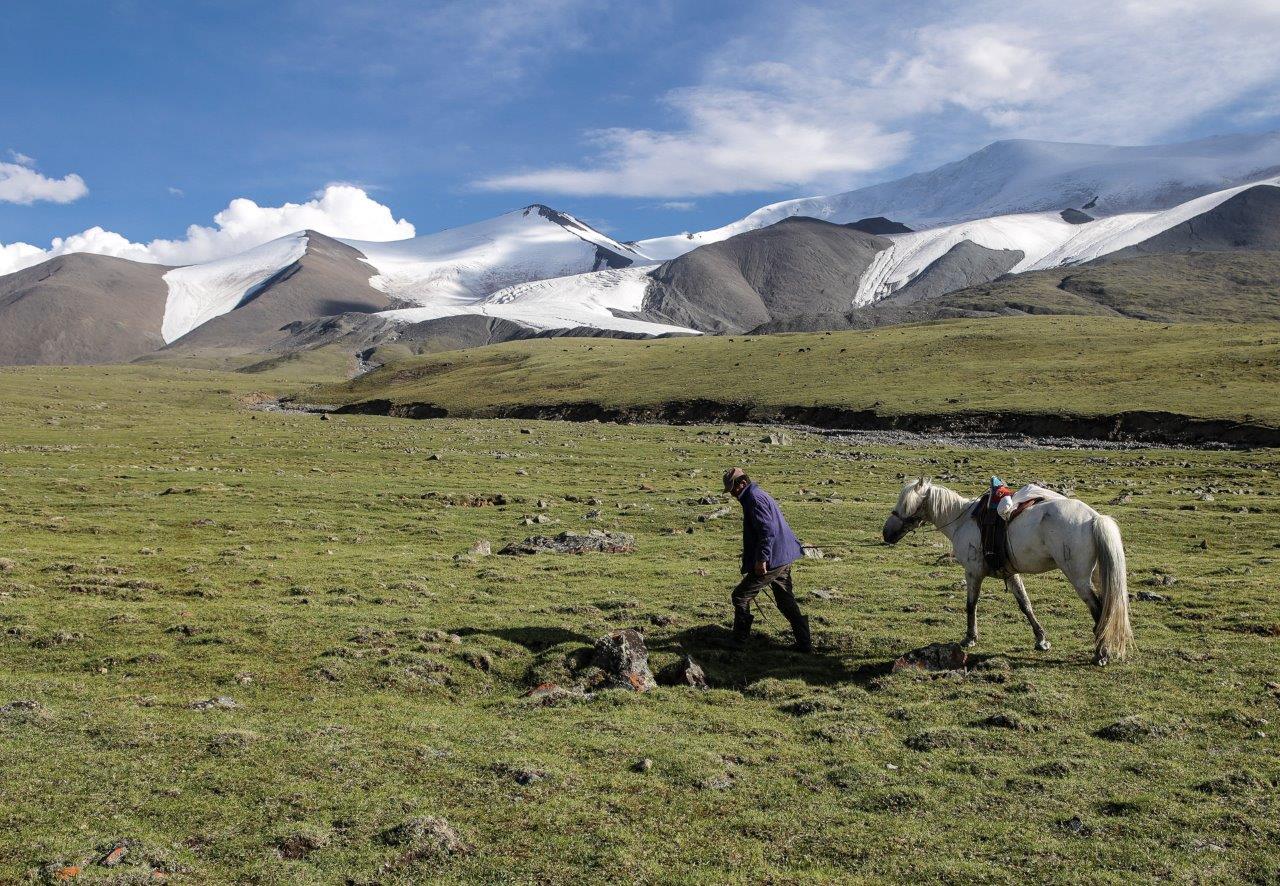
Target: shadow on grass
[
  {"x": 763, "y": 656},
  {"x": 536, "y": 638}
]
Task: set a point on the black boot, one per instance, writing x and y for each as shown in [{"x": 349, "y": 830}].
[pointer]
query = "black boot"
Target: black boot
[
  {"x": 742, "y": 620},
  {"x": 804, "y": 640}
]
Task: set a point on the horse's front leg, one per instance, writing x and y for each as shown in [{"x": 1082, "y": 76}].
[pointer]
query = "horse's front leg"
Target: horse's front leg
[
  {"x": 973, "y": 584},
  {"x": 1014, "y": 584}
]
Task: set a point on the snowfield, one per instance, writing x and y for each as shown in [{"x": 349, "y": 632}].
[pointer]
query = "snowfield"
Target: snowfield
[
  {"x": 463, "y": 265},
  {"x": 198, "y": 293},
  {"x": 588, "y": 300}
]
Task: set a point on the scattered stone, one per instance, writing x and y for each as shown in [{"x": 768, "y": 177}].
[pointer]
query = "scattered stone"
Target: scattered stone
[
  {"x": 623, "y": 658},
  {"x": 1123, "y": 498},
  {"x": 596, "y": 541},
  {"x": 644, "y": 765},
  {"x": 536, "y": 519},
  {"x": 7, "y": 565},
  {"x": 812, "y": 553},
  {"x": 1076, "y": 827},
  {"x": 435, "y": 456},
  {"x": 825, "y": 593},
  {"x": 714, "y": 515},
  {"x": 221, "y": 702},
  {"x": 777, "y": 439},
  {"x": 936, "y": 657},
  {"x": 685, "y": 672},
  {"x": 482, "y": 548},
  {"x": 324, "y": 416},
  {"x": 1151, "y": 597}
]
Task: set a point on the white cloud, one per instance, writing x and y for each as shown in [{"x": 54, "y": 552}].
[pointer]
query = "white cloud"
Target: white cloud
[
  {"x": 338, "y": 210},
  {"x": 176, "y": 192},
  {"x": 21, "y": 183},
  {"x": 820, "y": 100},
  {"x": 678, "y": 205}
]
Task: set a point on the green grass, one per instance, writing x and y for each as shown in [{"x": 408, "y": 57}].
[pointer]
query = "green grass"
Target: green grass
[
  {"x": 1073, "y": 365},
  {"x": 167, "y": 545}
]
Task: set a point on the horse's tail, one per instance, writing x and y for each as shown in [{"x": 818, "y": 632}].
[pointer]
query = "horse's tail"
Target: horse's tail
[{"x": 1113, "y": 635}]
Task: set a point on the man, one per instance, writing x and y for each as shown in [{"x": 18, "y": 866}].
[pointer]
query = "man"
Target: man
[{"x": 769, "y": 547}]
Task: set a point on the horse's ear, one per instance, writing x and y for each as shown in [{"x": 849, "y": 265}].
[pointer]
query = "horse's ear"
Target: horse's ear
[{"x": 921, "y": 484}]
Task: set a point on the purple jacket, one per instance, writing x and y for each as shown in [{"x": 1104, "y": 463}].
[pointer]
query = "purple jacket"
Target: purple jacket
[{"x": 765, "y": 533}]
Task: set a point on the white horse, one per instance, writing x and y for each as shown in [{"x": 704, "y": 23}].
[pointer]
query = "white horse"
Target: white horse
[{"x": 1063, "y": 533}]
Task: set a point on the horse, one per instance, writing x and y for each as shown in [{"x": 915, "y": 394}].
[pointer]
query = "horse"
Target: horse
[{"x": 1063, "y": 533}]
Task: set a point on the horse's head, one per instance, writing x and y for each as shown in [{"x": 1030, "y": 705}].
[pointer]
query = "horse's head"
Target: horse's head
[{"x": 907, "y": 515}]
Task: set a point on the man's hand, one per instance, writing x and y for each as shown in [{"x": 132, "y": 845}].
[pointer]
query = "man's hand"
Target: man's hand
[{"x": 762, "y": 567}]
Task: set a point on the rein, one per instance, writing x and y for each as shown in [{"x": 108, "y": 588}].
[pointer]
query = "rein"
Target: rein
[{"x": 915, "y": 521}]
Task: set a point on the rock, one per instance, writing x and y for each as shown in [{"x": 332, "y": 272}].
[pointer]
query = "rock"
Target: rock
[
  {"x": 114, "y": 855},
  {"x": 324, "y": 416},
  {"x": 825, "y": 593},
  {"x": 936, "y": 657},
  {"x": 623, "y": 658},
  {"x": 777, "y": 439},
  {"x": 7, "y": 565},
  {"x": 1122, "y": 499},
  {"x": 426, "y": 833},
  {"x": 435, "y": 456},
  {"x": 714, "y": 515},
  {"x": 685, "y": 672},
  {"x": 482, "y": 548},
  {"x": 1076, "y": 827},
  {"x": 812, "y": 553},
  {"x": 596, "y": 541},
  {"x": 1151, "y": 597},
  {"x": 644, "y": 765},
  {"x": 221, "y": 702}
]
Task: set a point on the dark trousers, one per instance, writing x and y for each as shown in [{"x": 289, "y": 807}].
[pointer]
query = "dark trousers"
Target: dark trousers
[{"x": 777, "y": 580}]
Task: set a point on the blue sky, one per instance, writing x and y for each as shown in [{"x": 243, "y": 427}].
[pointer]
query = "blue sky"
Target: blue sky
[{"x": 643, "y": 118}]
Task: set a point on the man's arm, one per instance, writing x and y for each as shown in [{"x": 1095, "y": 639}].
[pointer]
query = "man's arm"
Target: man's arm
[{"x": 766, "y": 531}]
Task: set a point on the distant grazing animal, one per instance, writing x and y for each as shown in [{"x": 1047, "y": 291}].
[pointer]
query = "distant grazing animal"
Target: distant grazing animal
[{"x": 1063, "y": 533}]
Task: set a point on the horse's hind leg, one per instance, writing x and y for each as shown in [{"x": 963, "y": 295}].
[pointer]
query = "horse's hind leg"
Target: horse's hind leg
[
  {"x": 1014, "y": 584},
  {"x": 973, "y": 583}
]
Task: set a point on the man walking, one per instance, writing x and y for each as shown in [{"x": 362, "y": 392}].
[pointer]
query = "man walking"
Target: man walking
[{"x": 769, "y": 547}]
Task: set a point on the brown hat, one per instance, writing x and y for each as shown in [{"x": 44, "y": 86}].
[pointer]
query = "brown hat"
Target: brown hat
[{"x": 732, "y": 476}]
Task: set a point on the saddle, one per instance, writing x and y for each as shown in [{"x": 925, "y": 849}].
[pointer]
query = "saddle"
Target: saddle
[{"x": 995, "y": 528}]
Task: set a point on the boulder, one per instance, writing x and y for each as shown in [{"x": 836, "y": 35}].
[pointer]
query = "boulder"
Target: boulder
[
  {"x": 936, "y": 657},
  {"x": 623, "y": 658},
  {"x": 685, "y": 672}
]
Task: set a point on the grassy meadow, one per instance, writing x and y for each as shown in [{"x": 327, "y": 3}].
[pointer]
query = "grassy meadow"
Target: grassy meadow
[
  {"x": 1074, "y": 365},
  {"x": 249, "y": 645}
]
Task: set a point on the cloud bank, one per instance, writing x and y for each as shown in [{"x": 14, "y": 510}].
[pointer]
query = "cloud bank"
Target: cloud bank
[
  {"x": 819, "y": 100},
  {"x": 339, "y": 211},
  {"x": 20, "y": 183}
]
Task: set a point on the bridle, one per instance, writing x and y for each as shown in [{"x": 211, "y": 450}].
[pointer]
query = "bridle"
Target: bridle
[{"x": 914, "y": 522}]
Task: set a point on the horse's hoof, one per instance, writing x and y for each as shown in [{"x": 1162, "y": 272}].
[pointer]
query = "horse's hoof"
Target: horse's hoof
[
  {"x": 969, "y": 642},
  {"x": 1043, "y": 645},
  {"x": 1101, "y": 660}
]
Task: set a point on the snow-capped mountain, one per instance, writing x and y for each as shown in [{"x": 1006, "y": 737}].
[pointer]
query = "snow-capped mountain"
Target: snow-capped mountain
[
  {"x": 198, "y": 293},
  {"x": 463, "y": 265},
  {"x": 1010, "y": 208},
  {"x": 1019, "y": 176}
]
